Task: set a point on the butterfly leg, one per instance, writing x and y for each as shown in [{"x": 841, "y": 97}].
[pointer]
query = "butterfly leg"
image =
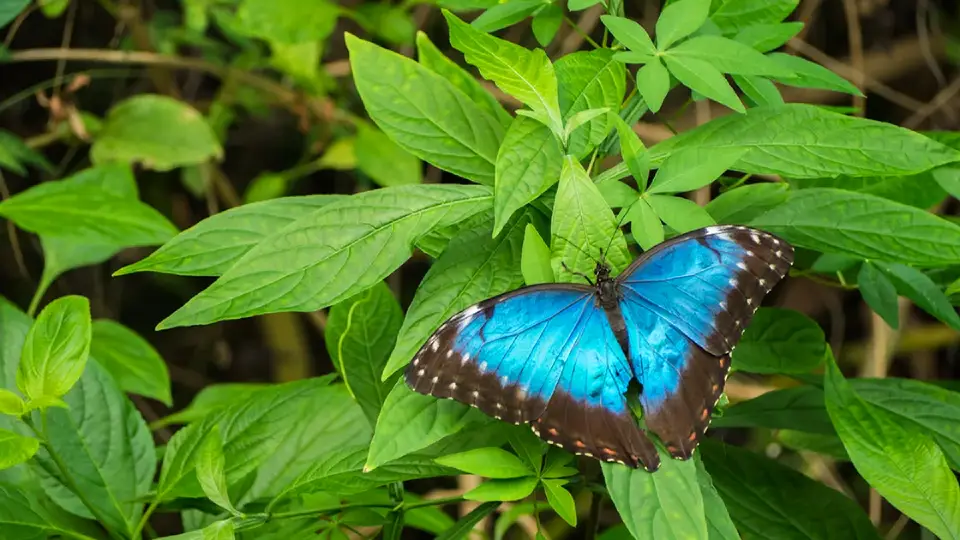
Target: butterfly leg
[{"x": 581, "y": 274}]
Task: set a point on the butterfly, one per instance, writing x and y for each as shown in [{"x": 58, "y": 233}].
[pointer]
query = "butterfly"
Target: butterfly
[{"x": 560, "y": 356}]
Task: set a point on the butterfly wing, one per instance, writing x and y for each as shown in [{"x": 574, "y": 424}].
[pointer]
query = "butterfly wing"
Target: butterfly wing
[
  {"x": 685, "y": 304},
  {"x": 543, "y": 355}
]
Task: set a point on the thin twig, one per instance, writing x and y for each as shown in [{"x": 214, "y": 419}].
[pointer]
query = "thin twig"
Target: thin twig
[
  {"x": 806, "y": 14},
  {"x": 942, "y": 98},
  {"x": 12, "y": 233},
  {"x": 923, "y": 35},
  {"x": 64, "y": 45},
  {"x": 855, "y": 37}
]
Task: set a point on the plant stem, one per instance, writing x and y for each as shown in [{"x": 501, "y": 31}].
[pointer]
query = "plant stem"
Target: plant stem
[
  {"x": 38, "y": 295},
  {"x": 145, "y": 518},
  {"x": 433, "y": 502},
  {"x": 583, "y": 34}
]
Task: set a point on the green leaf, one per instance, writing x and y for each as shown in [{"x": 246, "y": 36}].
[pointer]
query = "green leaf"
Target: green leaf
[
  {"x": 759, "y": 492},
  {"x": 807, "y": 74},
  {"x": 745, "y": 203},
  {"x": 14, "y": 152},
  {"x": 780, "y": 141},
  {"x": 682, "y": 215},
  {"x": 871, "y": 228},
  {"x": 365, "y": 238},
  {"x": 828, "y": 445},
  {"x": 210, "y": 471},
  {"x": 703, "y": 78},
  {"x": 466, "y": 524},
  {"x": 509, "y": 518},
  {"x": 505, "y": 14},
  {"x": 916, "y": 286},
  {"x": 11, "y": 404},
  {"x": 528, "y": 163},
  {"x": 528, "y": 446},
  {"x": 287, "y": 21},
  {"x": 735, "y": 15},
  {"x": 589, "y": 80},
  {"x": 780, "y": 341},
  {"x": 512, "y": 489},
  {"x": 653, "y": 83},
  {"x": 431, "y": 58},
  {"x": 100, "y": 446},
  {"x": 680, "y": 19},
  {"x": 9, "y": 9},
  {"x": 474, "y": 267},
  {"x": 645, "y": 224},
  {"x": 275, "y": 425},
  {"x": 25, "y": 516},
  {"x": 55, "y": 352},
  {"x": 360, "y": 334},
  {"x": 384, "y": 160},
  {"x": 692, "y": 168},
  {"x": 583, "y": 225},
  {"x": 524, "y": 74},
  {"x": 16, "y": 449},
  {"x": 766, "y": 37},
  {"x": 212, "y": 246},
  {"x": 617, "y": 194},
  {"x": 81, "y": 208},
  {"x": 136, "y": 366},
  {"x": 919, "y": 190},
  {"x": 489, "y": 462},
  {"x": 410, "y": 422},
  {"x": 630, "y": 34},
  {"x": 948, "y": 178},
  {"x": 665, "y": 504},
  {"x": 535, "y": 258},
  {"x": 880, "y": 294},
  {"x": 760, "y": 91},
  {"x": 580, "y": 5},
  {"x": 579, "y": 119},
  {"x": 634, "y": 153},
  {"x": 905, "y": 466},
  {"x": 424, "y": 113},
  {"x": 728, "y": 56},
  {"x": 158, "y": 132},
  {"x": 218, "y": 530},
  {"x": 210, "y": 399},
  {"x": 719, "y": 524},
  {"x": 547, "y": 23},
  {"x": 799, "y": 408},
  {"x": 561, "y": 500}
]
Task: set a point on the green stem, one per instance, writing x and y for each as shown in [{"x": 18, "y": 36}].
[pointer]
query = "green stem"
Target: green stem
[
  {"x": 38, "y": 295},
  {"x": 145, "y": 518},
  {"x": 581, "y": 32},
  {"x": 327, "y": 510},
  {"x": 432, "y": 502}
]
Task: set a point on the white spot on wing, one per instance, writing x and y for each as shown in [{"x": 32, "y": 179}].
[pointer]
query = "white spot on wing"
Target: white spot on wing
[
  {"x": 434, "y": 380},
  {"x": 434, "y": 345},
  {"x": 742, "y": 266},
  {"x": 420, "y": 373},
  {"x": 483, "y": 367},
  {"x": 449, "y": 353},
  {"x": 453, "y": 386},
  {"x": 755, "y": 237}
]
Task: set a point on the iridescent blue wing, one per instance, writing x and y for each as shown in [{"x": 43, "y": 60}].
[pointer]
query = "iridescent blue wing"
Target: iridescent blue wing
[
  {"x": 543, "y": 355},
  {"x": 685, "y": 304}
]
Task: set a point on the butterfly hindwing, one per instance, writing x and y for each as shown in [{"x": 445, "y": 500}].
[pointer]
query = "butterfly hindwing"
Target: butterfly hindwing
[
  {"x": 686, "y": 303},
  {"x": 543, "y": 355}
]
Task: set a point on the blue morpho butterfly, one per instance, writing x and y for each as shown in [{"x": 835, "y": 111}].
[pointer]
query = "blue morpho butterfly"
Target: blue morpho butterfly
[{"x": 560, "y": 356}]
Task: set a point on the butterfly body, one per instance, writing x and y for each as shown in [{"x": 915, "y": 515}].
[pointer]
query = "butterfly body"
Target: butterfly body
[{"x": 560, "y": 356}]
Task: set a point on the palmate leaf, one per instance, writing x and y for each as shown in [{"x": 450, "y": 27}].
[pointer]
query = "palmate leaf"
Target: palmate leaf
[
  {"x": 364, "y": 238},
  {"x": 728, "y": 56}
]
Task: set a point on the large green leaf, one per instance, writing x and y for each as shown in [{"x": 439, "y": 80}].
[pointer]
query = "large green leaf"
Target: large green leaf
[
  {"x": 768, "y": 500},
  {"x": 158, "y": 132},
  {"x": 728, "y": 56},
  {"x": 24, "y": 515},
  {"x": 136, "y": 366},
  {"x": 920, "y": 190},
  {"x": 719, "y": 524},
  {"x": 212, "y": 246},
  {"x": 211, "y": 398},
  {"x": 360, "y": 334},
  {"x": 101, "y": 445},
  {"x": 363, "y": 239},
  {"x": 798, "y": 408},
  {"x": 82, "y": 207},
  {"x": 744, "y": 203},
  {"x": 734, "y": 15},
  {"x": 705, "y": 79},
  {"x": 589, "y": 80},
  {"x": 488, "y": 462},
  {"x": 805, "y": 141},
  {"x": 666, "y": 504},
  {"x": 287, "y": 21},
  {"x": 431, "y": 58},
  {"x": 210, "y": 471},
  {"x": 55, "y": 352},
  {"x": 524, "y": 74},
  {"x": 916, "y": 286},
  {"x": 16, "y": 449},
  {"x": 849, "y": 223},
  {"x": 383, "y": 160},
  {"x": 277, "y": 424},
  {"x": 880, "y": 294},
  {"x": 582, "y": 226},
  {"x": 528, "y": 163},
  {"x": 474, "y": 267},
  {"x": 692, "y": 168},
  {"x": 904, "y": 465},
  {"x": 424, "y": 113},
  {"x": 410, "y": 422},
  {"x": 780, "y": 341}
]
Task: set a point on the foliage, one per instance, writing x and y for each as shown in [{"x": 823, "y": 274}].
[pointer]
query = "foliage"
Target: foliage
[{"x": 326, "y": 455}]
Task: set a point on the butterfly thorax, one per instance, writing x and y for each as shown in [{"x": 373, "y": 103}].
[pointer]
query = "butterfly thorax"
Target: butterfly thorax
[{"x": 608, "y": 291}]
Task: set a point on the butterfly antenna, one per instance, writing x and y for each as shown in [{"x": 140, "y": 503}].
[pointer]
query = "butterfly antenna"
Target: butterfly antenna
[
  {"x": 578, "y": 248},
  {"x": 615, "y": 231}
]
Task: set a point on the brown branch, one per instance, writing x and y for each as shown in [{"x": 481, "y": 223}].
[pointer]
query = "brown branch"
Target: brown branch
[{"x": 855, "y": 37}]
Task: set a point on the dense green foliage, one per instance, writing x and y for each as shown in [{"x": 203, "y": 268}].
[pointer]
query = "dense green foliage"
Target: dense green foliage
[{"x": 539, "y": 200}]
